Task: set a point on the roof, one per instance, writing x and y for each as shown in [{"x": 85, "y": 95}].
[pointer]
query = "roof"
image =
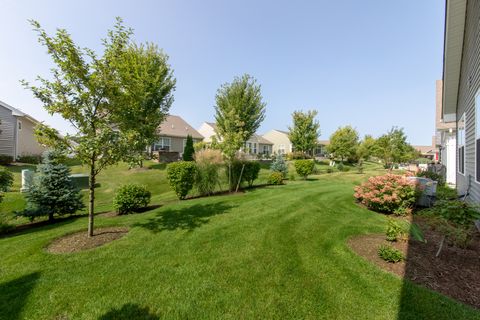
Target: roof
[
  {"x": 324, "y": 142},
  {"x": 455, "y": 12},
  {"x": 426, "y": 149},
  {"x": 175, "y": 126},
  {"x": 260, "y": 139},
  {"x": 16, "y": 112}
]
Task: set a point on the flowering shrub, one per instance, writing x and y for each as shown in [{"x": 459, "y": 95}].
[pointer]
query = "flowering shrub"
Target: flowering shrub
[{"x": 388, "y": 193}]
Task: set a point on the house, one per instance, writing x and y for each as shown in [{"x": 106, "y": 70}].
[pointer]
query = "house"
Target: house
[
  {"x": 445, "y": 133},
  {"x": 281, "y": 143},
  {"x": 256, "y": 145},
  {"x": 173, "y": 134},
  {"x": 429, "y": 151},
  {"x": 17, "y": 136},
  {"x": 321, "y": 150},
  {"x": 461, "y": 90}
]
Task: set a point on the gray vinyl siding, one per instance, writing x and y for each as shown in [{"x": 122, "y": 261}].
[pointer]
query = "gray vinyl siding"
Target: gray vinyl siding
[
  {"x": 469, "y": 86},
  {"x": 8, "y": 128}
]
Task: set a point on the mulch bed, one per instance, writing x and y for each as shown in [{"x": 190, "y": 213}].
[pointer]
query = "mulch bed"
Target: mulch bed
[
  {"x": 79, "y": 241},
  {"x": 455, "y": 273}
]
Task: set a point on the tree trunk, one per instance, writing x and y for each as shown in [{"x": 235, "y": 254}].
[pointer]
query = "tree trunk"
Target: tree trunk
[
  {"x": 91, "y": 207},
  {"x": 230, "y": 189},
  {"x": 240, "y": 178},
  {"x": 50, "y": 217}
]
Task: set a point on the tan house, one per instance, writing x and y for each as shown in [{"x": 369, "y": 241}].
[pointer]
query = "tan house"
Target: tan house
[
  {"x": 430, "y": 152},
  {"x": 173, "y": 135},
  {"x": 255, "y": 145},
  {"x": 279, "y": 139},
  {"x": 17, "y": 136}
]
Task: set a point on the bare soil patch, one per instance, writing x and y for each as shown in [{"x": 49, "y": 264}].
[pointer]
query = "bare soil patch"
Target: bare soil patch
[
  {"x": 455, "y": 273},
  {"x": 79, "y": 241}
]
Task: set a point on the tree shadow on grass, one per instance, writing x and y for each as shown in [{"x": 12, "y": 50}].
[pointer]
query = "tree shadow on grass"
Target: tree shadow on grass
[
  {"x": 14, "y": 294},
  {"x": 188, "y": 218},
  {"x": 129, "y": 311}
]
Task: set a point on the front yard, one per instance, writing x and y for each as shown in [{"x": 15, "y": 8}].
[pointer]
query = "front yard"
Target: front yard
[{"x": 273, "y": 252}]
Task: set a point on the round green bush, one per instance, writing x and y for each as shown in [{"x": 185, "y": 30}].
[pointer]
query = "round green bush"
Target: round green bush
[
  {"x": 304, "y": 167},
  {"x": 181, "y": 176},
  {"x": 131, "y": 198},
  {"x": 275, "y": 178},
  {"x": 6, "y": 179}
]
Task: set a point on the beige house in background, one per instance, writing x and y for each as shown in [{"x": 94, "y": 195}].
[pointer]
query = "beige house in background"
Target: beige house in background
[
  {"x": 279, "y": 139},
  {"x": 255, "y": 145},
  {"x": 173, "y": 135},
  {"x": 17, "y": 136}
]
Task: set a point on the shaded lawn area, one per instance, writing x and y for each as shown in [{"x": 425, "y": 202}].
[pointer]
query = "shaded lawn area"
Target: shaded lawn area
[{"x": 274, "y": 252}]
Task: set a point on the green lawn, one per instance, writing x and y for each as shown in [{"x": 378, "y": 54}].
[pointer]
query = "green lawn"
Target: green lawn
[{"x": 273, "y": 252}]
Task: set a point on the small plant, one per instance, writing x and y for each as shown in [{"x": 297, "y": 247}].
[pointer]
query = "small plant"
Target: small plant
[
  {"x": 6, "y": 179},
  {"x": 329, "y": 170},
  {"x": 390, "y": 254},
  {"x": 181, "y": 176},
  {"x": 360, "y": 169},
  {"x": 279, "y": 165},
  {"x": 275, "y": 178},
  {"x": 395, "y": 231},
  {"x": 5, "y": 159},
  {"x": 446, "y": 193},
  {"x": 30, "y": 158},
  {"x": 304, "y": 167},
  {"x": 402, "y": 211},
  {"x": 250, "y": 172},
  {"x": 131, "y": 198},
  {"x": 340, "y": 166}
]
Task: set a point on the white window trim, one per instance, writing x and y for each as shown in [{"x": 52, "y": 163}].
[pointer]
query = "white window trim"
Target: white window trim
[
  {"x": 163, "y": 144},
  {"x": 464, "y": 117}
]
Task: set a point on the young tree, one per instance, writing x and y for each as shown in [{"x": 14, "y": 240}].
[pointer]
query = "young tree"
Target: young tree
[
  {"x": 279, "y": 165},
  {"x": 366, "y": 148},
  {"x": 52, "y": 191},
  {"x": 239, "y": 111},
  {"x": 115, "y": 101},
  {"x": 188, "y": 151},
  {"x": 344, "y": 143},
  {"x": 305, "y": 131},
  {"x": 393, "y": 147}
]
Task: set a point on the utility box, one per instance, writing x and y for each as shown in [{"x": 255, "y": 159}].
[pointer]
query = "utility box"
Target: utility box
[
  {"x": 27, "y": 180},
  {"x": 429, "y": 188},
  {"x": 80, "y": 180}
]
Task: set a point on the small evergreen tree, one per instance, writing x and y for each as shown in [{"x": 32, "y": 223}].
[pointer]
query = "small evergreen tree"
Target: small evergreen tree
[
  {"x": 52, "y": 191},
  {"x": 189, "y": 150},
  {"x": 279, "y": 165}
]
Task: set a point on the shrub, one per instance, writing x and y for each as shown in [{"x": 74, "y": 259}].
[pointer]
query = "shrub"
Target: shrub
[
  {"x": 279, "y": 165},
  {"x": 340, "y": 166},
  {"x": 291, "y": 176},
  {"x": 387, "y": 193},
  {"x": 304, "y": 167},
  {"x": 402, "y": 211},
  {"x": 30, "y": 158},
  {"x": 446, "y": 193},
  {"x": 189, "y": 150},
  {"x": 52, "y": 191},
  {"x": 250, "y": 172},
  {"x": 458, "y": 212},
  {"x": 131, "y": 198},
  {"x": 181, "y": 176},
  {"x": 275, "y": 178},
  {"x": 6, "y": 179},
  {"x": 207, "y": 177},
  {"x": 390, "y": 254},
  {"x": 394, "y": 230},
  {"x": 360, "y": 169},
  {"x": 329, "y": 170},
  {"x": 297, "y": 155},
  {"x": 432, "y": 175},
  {"x": 5, "y": 159}
]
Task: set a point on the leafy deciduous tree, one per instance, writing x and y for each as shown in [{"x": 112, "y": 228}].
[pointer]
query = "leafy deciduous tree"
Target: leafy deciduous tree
[
  {"x": 115, "y": 102},
  {"x": 305, "y": 131},
  {"x": 344, "y": 143},
  {"x": 393, "y": 147}
]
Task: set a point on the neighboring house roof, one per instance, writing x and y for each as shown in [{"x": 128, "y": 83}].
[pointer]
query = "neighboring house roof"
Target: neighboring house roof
[
  {"x": 429, "y": 150},
  {"x": 324, "y": 142},
  {"x": 455, "y": 13},
  {"x": 260, "y": 139},
  {"x": 175, "y": 126},
  {"x": 16, "y": 112}
]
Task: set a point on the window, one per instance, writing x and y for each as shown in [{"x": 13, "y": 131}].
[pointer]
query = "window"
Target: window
[
  {"x": 255, "y": 147},
  {"x": 249, "y": 147},
  {"x": 163, "y": 144},
  {"x": 19, "y": 125},
  {"x": 281, "y": 149},
  {"x": 461, "y": 144},
  {"x": 265, "y": 149},
  {"x": 477, "y": 137}
]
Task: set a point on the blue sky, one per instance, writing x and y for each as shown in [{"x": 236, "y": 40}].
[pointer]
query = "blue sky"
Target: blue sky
[{"x": 371, "y": 63}]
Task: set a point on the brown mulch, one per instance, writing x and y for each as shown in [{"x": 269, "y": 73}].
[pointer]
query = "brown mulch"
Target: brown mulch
[
  {"x": 79, "y": 241},
  {"x": 455, "y": 273}
]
